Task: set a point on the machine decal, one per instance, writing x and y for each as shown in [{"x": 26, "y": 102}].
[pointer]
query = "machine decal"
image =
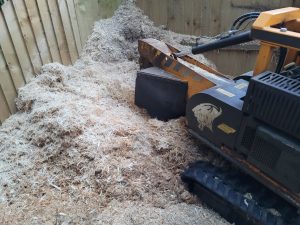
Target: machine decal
[
  {"x": 206, "y": 113},
  {"x": 224, "y": 92},
  {"x": 226, "y": 129}
]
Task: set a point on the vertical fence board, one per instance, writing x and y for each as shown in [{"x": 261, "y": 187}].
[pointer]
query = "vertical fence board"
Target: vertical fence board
[
  {"x": 38, "y": 31},
  {"x": 189, "y": 15},
  {"x": 28, "y": 36},
  {"x": 10, "y": 55},
  {"x": 4, "y": 112},
  {"x": 197, "y": 20},
  {"x": 59, "y": 32},
  {"x": 7, "y": 84},
  {"x": 163, "y": 13},
  {"x": 68, "y": 29},
  {"x": 87, "y": 13},
  {"x": 106, "y": 8},
  {"x": 18, "y": 41},
  {"x": 74, "y": 23},
  {"x": 142, "y": 4},
  {"x": 49, "y": 30},
  {"x": 176, "y": 14},
  {"x": 171, "y": 8}
]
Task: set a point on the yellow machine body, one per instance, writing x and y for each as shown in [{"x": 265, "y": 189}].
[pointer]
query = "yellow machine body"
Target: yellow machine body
[{"x": 221, "y": 101}]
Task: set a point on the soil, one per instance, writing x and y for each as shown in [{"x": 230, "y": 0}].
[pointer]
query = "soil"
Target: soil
[{"x": 80, "y": 152}]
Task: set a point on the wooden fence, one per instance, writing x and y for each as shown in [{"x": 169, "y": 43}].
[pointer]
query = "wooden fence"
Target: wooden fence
[
  {"x": 204, "y": 17},
  {"x": 36, "y": 32}
]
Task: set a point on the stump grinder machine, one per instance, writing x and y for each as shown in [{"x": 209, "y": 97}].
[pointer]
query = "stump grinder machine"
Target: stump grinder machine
[{"x": 253, "y": 120}]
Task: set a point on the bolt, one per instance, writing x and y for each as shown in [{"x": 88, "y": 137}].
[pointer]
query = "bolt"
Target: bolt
[{"x": 283, "y": 29}]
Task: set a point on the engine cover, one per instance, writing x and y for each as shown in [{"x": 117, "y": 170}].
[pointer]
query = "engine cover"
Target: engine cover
[
  {"x": 216, "y": 113},
  {"x": 270, "y": 132},
  {"x": 275, "y": 100}
]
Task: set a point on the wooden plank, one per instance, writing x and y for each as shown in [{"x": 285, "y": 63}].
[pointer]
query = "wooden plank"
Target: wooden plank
[
  {"x": 296, "y": 3},
  {"x": 7, "y": 84},
  {"x": 252, "y": 5},
  {"x": 148, "y": 9},
  {"x": 4, "y": 111},
  {"x": 288, "y": 3},
  {"x": 10, "y": 54},
  {"x": 159, "y": 15},
  {"x": 142, "y": 4},
  {"x": 87, "y": 13},
  {"x": 59, "y": 32},
  {"x": 188, "y": 15},
  {"x": 215, "y": 12},
  {"x": 179, "y": 18},
  {"x": 28, "y": 35},
  {"x": 38, "y": 31},
  {"x": 198, "y": 19},
  {"x": 68, "y": 29},
  {"x": 73, "y": 18},
  {"x": 229, "y": 9},
  {"x": 49, "y": 30},
  {"x": 230, "y": 67},
  {"x": 108, "y": 7},
  {"x": 17, "y": 39},
  {"x": 171, "y": 16}
]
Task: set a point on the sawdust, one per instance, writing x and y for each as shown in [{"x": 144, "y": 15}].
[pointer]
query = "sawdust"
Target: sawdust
[{"x": 80, "y": 152}]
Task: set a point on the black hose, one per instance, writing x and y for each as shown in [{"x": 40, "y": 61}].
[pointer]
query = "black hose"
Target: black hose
[
  {"x": 242, "y": 17},
  {"x": 244, "y": 20},
  {"x": 221, "y": 43},
  {"x": 282, "y": 56}
]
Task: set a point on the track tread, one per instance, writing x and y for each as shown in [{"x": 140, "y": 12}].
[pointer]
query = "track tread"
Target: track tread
[{"x": 234, "y": 188}]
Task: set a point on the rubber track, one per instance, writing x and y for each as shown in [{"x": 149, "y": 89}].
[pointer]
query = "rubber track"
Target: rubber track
[{"x": 238, "y": 197}]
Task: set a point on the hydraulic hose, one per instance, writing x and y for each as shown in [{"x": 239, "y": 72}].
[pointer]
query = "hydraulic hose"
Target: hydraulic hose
[
  {"x": 221, "y": 43},
  {"x": 240, "y": 23},
  {"x": 282, "y": 56},
  {"x": 242, "y": 17}
]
